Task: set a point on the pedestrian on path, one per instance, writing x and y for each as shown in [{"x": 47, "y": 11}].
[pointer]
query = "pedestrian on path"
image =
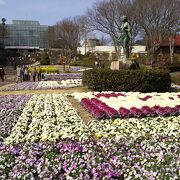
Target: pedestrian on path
[
  {"x": 2, "y": 73},
  {"x": 19, "y": 74},
  {"x": 34, "y": 72},
  {"x": 39, "y": 72}
]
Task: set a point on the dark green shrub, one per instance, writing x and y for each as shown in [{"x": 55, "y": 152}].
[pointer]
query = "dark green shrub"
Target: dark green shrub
[
  {"x": 84, "y": 60},
  {"x": 174, "y": 68},
  {"x": 127, "y": 80},
  {"x": 45, "y": 59}
]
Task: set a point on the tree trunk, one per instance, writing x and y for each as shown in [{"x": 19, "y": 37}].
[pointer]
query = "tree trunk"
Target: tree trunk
[{"x": 171, "y": 50}]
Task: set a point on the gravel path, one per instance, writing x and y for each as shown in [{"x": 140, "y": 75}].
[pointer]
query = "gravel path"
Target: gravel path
[{"x": 175, "y": 73}]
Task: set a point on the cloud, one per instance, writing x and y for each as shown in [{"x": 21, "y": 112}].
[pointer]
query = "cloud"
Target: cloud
[{"x": 2, "y": 2}]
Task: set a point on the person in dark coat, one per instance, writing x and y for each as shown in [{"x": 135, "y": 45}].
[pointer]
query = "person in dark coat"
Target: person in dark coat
[
  {"x": 34, "y": 72},
  {"x": 2, "y": 73}
]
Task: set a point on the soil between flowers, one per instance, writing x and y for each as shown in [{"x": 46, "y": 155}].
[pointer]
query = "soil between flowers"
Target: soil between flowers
[{"x": 84, "y": 114}]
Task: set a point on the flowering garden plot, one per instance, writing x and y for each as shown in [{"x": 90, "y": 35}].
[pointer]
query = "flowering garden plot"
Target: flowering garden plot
[
  {"x": 174, "y": 86},
  {"x": 47, "y": 118},
  {"x": 62, "y": 160},
  {"x": 11, "y": 107},
  {"x": 71, "y": 82},
  {"x": 112, "y": 105},
  {"x": 45, "y": 85},
  {"x": 147, "y": 143},
  {"x": 75, "y": 69},
  {"x": 63, "y": 76},
  {"x": 22, "y": 86},
  {"x": 50, "y": 141},
  {"x": 152, "y": 158}
]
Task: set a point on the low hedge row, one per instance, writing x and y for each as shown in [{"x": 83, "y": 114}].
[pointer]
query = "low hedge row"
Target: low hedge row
[
  {"x": 127, "y": 80},
  {"x": 174, "y": 68}
]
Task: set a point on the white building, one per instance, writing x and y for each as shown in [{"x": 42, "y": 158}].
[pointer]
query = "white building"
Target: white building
[{"x": 138, "y": 49}]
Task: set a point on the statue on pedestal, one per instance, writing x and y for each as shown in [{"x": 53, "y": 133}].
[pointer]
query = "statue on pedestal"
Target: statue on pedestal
[{"x": 124, "y": 38}]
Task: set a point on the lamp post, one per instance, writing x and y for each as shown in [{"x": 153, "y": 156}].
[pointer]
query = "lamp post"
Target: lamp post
[
  {"x": 3, "y": 33},
  {"x": 3, "y": 29}
]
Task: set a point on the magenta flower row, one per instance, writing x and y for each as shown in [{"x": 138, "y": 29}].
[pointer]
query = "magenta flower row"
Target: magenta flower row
[
  {"x": 93, "y": 109},
  {"x": 110, "y": 95},
  {"x": 101, "y": 110}
]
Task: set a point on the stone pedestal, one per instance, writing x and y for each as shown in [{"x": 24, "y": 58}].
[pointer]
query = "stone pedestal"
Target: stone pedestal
[
  {"x": 123, "y": 64},
  {"x": 126, "y": 64},
  {"x": 115, "y": 65}
]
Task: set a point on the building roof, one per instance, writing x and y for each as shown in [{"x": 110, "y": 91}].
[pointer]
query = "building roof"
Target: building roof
[{"x": 176, "y": 43}]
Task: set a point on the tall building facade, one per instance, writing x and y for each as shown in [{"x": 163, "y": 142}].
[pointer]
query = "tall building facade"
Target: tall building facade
[{"x": 25, "y": 34}]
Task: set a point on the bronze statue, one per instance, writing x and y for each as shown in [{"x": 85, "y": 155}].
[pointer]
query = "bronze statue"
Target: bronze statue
[{"x": 125, "y": 37}]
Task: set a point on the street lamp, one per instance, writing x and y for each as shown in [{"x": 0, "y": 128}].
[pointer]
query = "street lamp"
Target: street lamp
[
  {"x": 3, "y": 33},
  {"x": 3, "y": 29}
]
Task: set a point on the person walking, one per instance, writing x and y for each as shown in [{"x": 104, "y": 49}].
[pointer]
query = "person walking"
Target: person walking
[
  {"x": 34, "y": 72},
  {"x": 19, "y": 74},
  {"x": 26, "y": 74},
  {"x": 39, "y": 72},
  {"x": 2, "y": 73}
]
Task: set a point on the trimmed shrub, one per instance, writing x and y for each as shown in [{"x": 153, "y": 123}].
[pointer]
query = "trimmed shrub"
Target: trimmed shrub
[
  {"x": 174, "y": 68},
  {"x": 127, "y": 80}
]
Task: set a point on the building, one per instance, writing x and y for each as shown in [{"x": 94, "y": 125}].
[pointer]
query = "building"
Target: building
[
  {"x": 25, "y": 34},
  {"x": 23, "y": 41},
  {"x": 164, "y": 47},
  {"x": 138, "y": 49}
]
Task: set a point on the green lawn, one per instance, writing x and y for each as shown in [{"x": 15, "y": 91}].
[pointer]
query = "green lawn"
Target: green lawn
[{"x": 176, "y": 79}]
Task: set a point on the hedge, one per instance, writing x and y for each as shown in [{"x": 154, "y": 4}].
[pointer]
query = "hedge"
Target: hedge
[
  {"x": 127, "y": 80},
  {"x": 174, "y": 68}
]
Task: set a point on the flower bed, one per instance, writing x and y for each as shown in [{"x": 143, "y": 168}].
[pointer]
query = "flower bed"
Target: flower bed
[
  {"x": 112, "y": 105},
  {"x": 45, "y": 85},
  {"x": 50, "y": 141},
  {"x": 62, "y": 160},
  {"x": 105, "y": 158},
  {"x": 76, "y": 68},
  {"x": 175, "y": 86},
  {"x": 72, "y": 82},
  {"x": 47, "y": 118},
  {"x": 22, "y": 86},
  {"x": 62, "y": 76},
  {"x": 135, "y": 128},
  {"x": 11, "y": 107}
]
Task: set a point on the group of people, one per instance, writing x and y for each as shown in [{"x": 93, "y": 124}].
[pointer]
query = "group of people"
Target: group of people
[
  {"x": 2, "y": 74},
  {"x": 24, "y": 74}
]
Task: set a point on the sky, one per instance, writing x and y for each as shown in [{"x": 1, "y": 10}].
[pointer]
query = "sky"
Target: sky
[{"x": 47, "y": 12}]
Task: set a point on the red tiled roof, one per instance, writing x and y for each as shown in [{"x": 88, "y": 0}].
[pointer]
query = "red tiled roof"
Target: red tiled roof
[{"x": 176, "y": 43}]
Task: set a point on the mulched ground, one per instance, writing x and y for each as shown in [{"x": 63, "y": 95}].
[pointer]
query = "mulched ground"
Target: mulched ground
[{"x": 82, "y": 112}]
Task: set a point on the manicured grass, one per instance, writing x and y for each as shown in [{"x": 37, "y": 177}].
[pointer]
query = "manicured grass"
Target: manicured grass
[
  {"x": 71, "y": 90},
  {"x": 176, "y": 79}
]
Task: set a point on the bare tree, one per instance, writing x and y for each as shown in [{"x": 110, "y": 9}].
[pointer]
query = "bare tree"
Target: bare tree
[
  {"x": 105, "y": 16},
  {"x": 68, "y": 32},
  {"x": 156, "y": 17},
  {"x": 51, "y": 38},
  {"x": 104, "y": 40},
  {"x": 84, "y": 29}
]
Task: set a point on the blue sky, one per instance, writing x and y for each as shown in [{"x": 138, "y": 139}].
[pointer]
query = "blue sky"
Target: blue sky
[{"x": 48, "y": 12}]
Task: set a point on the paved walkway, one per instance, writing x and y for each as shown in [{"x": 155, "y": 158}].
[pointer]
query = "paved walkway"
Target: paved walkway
[{"x": 175, "y": 73}]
